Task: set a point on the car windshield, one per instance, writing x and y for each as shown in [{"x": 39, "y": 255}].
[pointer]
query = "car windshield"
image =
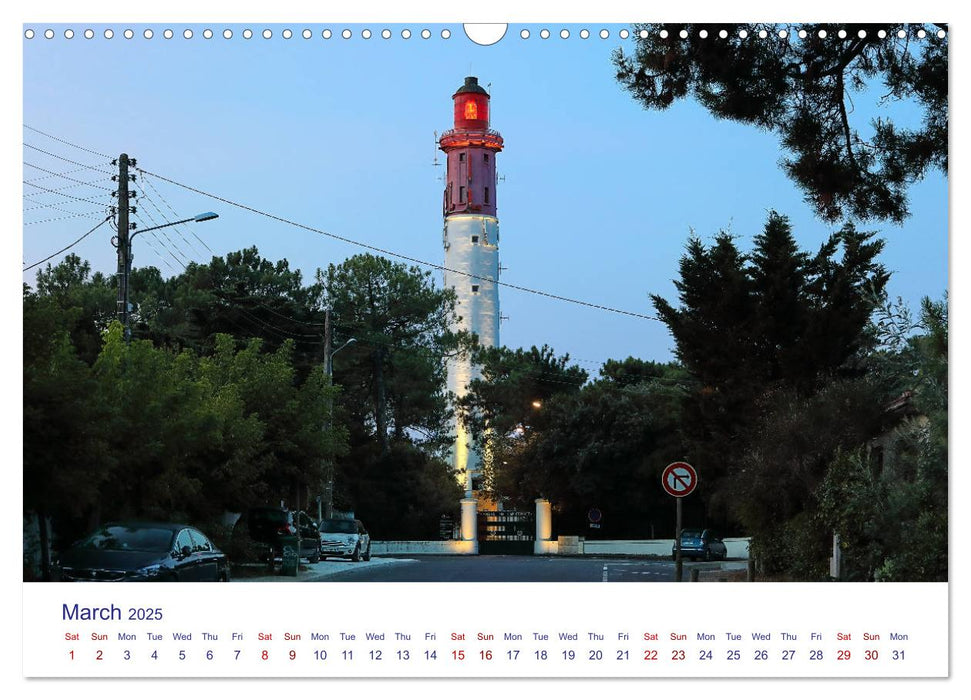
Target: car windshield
[
  {"x": 127, "y": 538},
  {"x": 270, "y": 515},
  {"x": 346, "y": 526},
  {"x": 690, "y": 534}
]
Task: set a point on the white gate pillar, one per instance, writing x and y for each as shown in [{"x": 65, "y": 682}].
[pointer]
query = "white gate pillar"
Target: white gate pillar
[
  {"x": 544, "y": 528},
  {"x": 470, "y": 507}
]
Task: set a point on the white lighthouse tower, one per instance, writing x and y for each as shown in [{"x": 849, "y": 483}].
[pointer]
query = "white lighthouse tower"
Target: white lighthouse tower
[{"x": 471, "y": 240}]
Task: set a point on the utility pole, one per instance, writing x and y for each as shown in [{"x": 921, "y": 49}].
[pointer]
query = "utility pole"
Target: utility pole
[
  {"x": 325, "y": 505},
  {"x": 123, "y": 244},
  {"x": 326, "y": 509}
]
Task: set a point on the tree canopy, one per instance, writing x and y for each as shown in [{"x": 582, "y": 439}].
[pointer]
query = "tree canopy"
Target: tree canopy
[{"x": 803, "y": 87}]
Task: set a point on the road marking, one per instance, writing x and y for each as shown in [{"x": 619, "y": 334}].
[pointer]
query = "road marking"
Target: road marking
[{"x": 605, "y": 573}]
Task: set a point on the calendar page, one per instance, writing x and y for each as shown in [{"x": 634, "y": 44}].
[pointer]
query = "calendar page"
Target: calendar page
[{"x": 603, "y": 345}]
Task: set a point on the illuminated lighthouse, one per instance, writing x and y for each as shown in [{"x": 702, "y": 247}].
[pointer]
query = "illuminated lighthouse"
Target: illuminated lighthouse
[{"x": 471, "y": 240}]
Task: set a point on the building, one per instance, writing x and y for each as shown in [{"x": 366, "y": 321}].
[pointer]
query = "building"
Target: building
[{"x": 471, "y": 242}]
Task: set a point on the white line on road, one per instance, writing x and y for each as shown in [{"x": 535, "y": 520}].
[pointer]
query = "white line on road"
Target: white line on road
[{"x": 605, "y": 573}]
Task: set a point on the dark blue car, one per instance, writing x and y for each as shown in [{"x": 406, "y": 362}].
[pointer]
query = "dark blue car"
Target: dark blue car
[{"x": 143, "y": 551}]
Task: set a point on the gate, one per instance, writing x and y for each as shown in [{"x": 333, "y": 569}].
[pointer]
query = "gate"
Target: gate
[{"x": 506, "y": 532}]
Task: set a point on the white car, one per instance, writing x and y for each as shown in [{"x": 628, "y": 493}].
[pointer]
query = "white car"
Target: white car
[{"x": 344, "y": 538}]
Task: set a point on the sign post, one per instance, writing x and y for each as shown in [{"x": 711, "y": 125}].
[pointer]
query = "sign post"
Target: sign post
[
  {"x": 678, "y": 479},
  {"x": 594, "y": 516}
]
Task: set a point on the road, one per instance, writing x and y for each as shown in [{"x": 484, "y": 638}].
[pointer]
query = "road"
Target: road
[{"x": 499, "y": 568}]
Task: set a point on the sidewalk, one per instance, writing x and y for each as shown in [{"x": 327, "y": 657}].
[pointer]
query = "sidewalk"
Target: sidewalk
[{"x": 324, "y": 569}]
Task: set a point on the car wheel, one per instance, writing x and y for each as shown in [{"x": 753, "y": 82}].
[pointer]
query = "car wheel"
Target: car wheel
[
  {"x": 315, "y": 557},
  {"x": 357, "y": 554}
]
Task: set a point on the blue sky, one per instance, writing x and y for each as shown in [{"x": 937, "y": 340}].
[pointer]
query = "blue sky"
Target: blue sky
[{"x": 598, "y": 199}]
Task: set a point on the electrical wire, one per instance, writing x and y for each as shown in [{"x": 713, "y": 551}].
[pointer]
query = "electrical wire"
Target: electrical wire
[
  {"x": 61, "y": 194},
  {"x": 60, "y": 175},
  {"x": 145, "y": 198},
  {"x": 45, "y": 205},
  {"x": 62, "y": 218},
  {"x": 400, "y": 256},
  {"x": 41, "y": 262},
  {"x": 84, "y": 166},
  {"x": 149, "y": 183},
  {"x": 48, "y": 177},
  {"x": 155, "y": 235},
  {"x": 55, "y": 138},
  {"x": 344, "y": 239}
]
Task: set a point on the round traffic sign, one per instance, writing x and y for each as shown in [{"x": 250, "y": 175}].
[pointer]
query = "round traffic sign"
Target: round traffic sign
[{"x": 679, "y": 479}]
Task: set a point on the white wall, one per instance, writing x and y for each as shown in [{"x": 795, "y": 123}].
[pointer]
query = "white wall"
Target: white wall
[{"x": 737, "y": 547}]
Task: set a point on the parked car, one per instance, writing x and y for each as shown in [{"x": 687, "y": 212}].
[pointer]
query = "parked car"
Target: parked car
[
  {"x": 345, "y": 538},
  {"x": 143, "y": 551},
  {"x": 703, "y": 544},
  {"x": 266, "y": 526}
]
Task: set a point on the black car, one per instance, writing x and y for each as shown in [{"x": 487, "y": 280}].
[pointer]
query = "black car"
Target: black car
[
  {"x": 267, "y": 527},
  {"x": 703, "y": 544},
  {"x": 143, "y": 551}
]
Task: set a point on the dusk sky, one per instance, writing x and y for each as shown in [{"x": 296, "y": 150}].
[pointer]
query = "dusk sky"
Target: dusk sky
[{"x": 598, "y": 198}]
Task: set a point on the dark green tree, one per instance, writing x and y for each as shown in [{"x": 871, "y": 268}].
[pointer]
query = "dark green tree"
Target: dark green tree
[
  {"x": 241, "y": 294},
  {"x": 66, "y": 458},
  {"x": 776, "y": 322},
  {"x": 603, "y": 446},
  {"x": 803, "y": 89},
  {"x": 394, "y": 374},
  {"x": 504, "y": 410},
  {"x": 90, "y": 299},
  {"x": 888, "y": 499}
]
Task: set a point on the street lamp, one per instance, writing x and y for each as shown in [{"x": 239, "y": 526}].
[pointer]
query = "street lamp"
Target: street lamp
[
  {"x": 330, "y": 357},
  {"x": 123, "y": 314}
]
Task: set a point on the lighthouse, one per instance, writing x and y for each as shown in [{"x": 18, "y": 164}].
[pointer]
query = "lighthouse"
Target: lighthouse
[{"x": 471, "y": 241}]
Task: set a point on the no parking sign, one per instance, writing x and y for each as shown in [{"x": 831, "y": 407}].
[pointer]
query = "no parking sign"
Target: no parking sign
[{"x": 679, "y": 479}]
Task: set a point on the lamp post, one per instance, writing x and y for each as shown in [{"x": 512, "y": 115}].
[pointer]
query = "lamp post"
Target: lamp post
[
  {"x": 325, "y": 505},
  {"x": 123, "y": 313}
]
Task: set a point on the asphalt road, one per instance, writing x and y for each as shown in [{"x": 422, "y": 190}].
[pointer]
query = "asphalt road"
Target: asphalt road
[{"x": 487, "y": 568}]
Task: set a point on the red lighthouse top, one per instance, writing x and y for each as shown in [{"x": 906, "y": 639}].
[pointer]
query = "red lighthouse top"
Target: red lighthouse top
[
  {"x": 471, "y": 106},
  {"x": 471, "y": 119},
  {"x": 471, "y": 147}
]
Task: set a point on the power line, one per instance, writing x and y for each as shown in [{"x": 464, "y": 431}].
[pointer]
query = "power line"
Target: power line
[
  {"x": 383, "y": 251},
  {"x": 45, "y": 205},
  {"x": 60, "y": 175},
  {"x": 67, "y": 160},
  {"x": 66, "y": 172},
  {"x": 61, "y": 194},
  {"x": 146, "y": 198},
  {"x": 343, "y": 239},
  {"x": 149, "y": 183},
  {"x": 41, "y": 262},
  {"x": 50, "y": 136},
  {"x": 155, "y": 235},
  {"x": 62, "y": 218}
]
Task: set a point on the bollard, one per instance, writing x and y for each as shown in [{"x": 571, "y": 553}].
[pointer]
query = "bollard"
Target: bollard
[
  {"x": 750, "y": 573},
  {"x": 693, "y": 575}
]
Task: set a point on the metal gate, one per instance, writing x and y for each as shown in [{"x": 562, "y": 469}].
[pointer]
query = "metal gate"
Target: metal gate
[{"x": 506, "y": 531}]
